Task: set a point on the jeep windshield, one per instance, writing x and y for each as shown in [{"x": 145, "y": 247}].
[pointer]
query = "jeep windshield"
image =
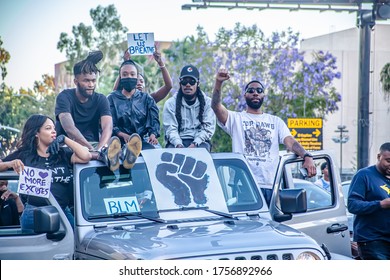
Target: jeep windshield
[
  {"x": 111, "y": 195},
  {"x": 219, "y": 187}
]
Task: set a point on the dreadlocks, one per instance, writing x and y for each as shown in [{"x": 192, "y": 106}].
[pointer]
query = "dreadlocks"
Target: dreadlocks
[
  {"x": 85, "y": 67},
  {"x": 178, "y": 106}
]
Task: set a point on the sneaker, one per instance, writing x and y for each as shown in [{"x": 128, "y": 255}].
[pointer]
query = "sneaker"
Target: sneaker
[
  {"x": 133, "y": 149},
  {"x": 110, "y": 154}
]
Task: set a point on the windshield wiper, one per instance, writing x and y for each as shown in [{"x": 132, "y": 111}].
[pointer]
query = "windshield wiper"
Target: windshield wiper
[
  {"x": 127, "y": 215},
  {"x": 204, "y": 208}
]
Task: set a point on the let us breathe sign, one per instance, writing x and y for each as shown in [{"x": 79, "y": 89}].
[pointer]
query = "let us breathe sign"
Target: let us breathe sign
[
  {"x": 35, "y": 181},
  {"x": 140, "y": 43}
]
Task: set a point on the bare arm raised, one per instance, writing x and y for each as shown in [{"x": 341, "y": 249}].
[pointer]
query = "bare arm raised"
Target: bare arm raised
[
  {"x": 163, "y": 91},
  {"x": 216, "y": 103}
]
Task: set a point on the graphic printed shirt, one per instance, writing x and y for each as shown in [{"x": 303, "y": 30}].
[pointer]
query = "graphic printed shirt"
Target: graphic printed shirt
[{"x": 257, "y": 136}]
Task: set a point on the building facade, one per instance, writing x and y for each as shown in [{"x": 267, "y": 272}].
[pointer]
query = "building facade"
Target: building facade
[{"x": 344, "y": 45}]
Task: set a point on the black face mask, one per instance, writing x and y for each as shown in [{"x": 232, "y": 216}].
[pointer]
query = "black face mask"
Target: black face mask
[{"x": 128, "y": 83}]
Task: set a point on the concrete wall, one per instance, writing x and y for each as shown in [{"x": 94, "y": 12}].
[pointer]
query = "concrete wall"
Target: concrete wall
[{"x": 344, "y": 45}]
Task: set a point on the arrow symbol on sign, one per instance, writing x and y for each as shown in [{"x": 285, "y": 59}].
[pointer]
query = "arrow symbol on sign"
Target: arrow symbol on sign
[
  {"x": 293, "y": 132},
  {"x": 317, "y": 133}
]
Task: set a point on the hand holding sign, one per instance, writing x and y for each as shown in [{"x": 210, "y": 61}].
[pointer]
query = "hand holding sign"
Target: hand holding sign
[
  {"x": 157, "y": 55},
  {"x": 141, "y": 43},
  {"x": 35, "y": 181}
]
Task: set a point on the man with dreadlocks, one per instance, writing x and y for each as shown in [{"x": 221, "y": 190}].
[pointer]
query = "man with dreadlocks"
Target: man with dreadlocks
[
  {"x": 188, "y": 118},
  {"x": 84, "y": 115}
]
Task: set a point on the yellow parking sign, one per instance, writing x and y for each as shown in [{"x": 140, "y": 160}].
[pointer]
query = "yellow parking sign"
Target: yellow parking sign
[{"x": 307, "y": 131}]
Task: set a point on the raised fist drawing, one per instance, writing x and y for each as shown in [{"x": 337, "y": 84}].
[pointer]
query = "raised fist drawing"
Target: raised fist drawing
[{"x": 183, "y": 176}]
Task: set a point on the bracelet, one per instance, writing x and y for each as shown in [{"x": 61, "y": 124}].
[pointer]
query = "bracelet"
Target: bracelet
[
  {"x": 307, "y": 155},
  {"x": 163, "y": 66}
]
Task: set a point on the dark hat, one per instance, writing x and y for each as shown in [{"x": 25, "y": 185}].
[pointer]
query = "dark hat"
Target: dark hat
[{"x": 189, "y": 71}]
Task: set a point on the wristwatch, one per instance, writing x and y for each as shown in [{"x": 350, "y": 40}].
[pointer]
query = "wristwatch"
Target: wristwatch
[{"x": 307, "y": 155}]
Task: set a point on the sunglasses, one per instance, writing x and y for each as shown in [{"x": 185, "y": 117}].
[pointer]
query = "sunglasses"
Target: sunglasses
[
  {"x": 188, "y": 81},
  {"x": 252, "y": 90}
]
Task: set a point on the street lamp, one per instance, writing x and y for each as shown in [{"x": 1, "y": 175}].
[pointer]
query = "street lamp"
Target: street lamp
[{"x": 342, "y": 139}]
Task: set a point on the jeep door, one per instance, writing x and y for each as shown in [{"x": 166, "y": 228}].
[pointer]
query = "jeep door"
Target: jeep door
[
  {"x": 55, "y": 242},
  {"x": 325, "y": 219}
]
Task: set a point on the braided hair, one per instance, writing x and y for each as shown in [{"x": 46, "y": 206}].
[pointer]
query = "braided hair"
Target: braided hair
[
  {"x": 179, "y": 98},
  {"x": 88, "y": 65}
]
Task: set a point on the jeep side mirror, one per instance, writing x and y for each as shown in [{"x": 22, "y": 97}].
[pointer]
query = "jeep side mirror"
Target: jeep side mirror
[
  {"x": 293, "y": 201},
  {"x": 46, "y": 219}
]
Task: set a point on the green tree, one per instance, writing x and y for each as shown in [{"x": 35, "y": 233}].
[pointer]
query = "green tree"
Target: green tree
[
  {"x": 106, "y": 34},
  {"x": 296, "y": 86},
  {"x": 385, "y": 81},
  {"x": 4, "y": 59},
  {"x": 19, "y": 105}
]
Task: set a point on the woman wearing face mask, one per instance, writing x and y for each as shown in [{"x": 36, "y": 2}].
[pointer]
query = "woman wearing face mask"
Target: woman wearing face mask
[
  {"x": 134, "y": 113},
  {"x": 163, "y": 91}
]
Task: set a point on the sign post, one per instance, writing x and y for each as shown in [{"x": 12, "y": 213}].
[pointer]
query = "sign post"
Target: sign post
[{"x": 307, "y": 131}]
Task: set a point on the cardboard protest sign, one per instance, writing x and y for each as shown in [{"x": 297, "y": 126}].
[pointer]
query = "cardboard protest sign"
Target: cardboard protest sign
[
  {"x": 35, "y": 181},
  {"x": 182, "y": 180},
  {"x": 140, "y": 43},
  {"x": 115, "y": 205}
]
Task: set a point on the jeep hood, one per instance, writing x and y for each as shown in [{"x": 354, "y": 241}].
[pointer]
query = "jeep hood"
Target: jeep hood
[{"x": 191, "y": 240}]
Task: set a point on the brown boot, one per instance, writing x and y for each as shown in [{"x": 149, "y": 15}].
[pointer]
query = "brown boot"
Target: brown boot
[
  {"x": 133, "y": 149},
  {"x": 110, "y": 154}
]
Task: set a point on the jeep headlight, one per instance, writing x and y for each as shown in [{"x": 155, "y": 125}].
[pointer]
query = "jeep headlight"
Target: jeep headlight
[{"x": 308, "y": 256}]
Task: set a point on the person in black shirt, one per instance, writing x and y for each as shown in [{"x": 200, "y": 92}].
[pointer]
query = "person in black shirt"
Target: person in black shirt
[
  {"x": 369, "y": 200},
  {"x": 133, "y": 111},
  {"x": 40, "y": 147},
  {"x": 11, "y": 206},
  {"x": 84, "y": 115}
]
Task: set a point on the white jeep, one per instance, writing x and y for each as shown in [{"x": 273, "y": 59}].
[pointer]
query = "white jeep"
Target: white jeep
[{"x": 188, "y": 204}]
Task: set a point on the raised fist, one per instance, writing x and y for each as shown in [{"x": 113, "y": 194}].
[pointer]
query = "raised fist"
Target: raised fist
[
  {"x": 183, "y": 176},
  {"x": 222, "y": 75}
]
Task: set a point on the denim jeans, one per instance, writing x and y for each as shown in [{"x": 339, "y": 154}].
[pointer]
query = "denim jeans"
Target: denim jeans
[
  {"x": 374, "y": 250},
  {"x": 188, "y": 142},
  {"x": 69, "y": 216},
  {"x": 27, "y": 218}
]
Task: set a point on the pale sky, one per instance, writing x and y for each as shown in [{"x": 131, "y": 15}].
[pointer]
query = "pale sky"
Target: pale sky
[{"x": 30, "y": 29}]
